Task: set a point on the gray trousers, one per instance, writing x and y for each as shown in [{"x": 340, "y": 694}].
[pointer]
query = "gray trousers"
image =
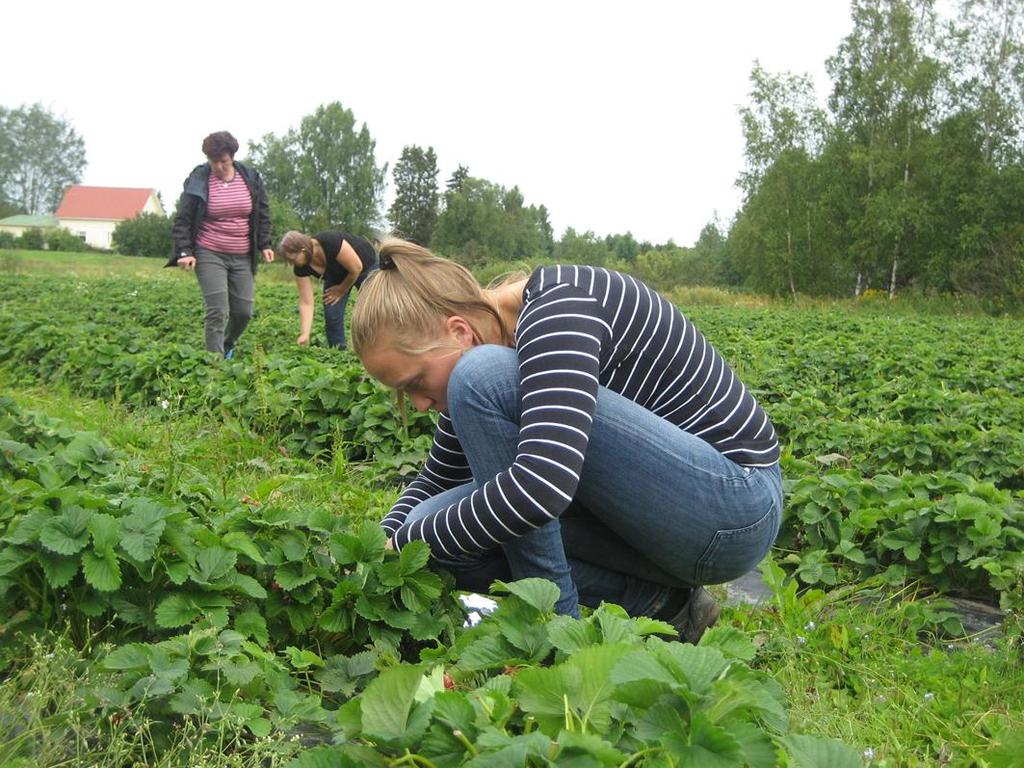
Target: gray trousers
[{"x": 227, "y": 283}]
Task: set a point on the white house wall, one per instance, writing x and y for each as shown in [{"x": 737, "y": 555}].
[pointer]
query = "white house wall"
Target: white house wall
[{"x": 96, "y": 233}]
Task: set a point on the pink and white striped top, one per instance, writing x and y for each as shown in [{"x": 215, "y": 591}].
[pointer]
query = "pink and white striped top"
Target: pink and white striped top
[{"x": 226, "y": 226}]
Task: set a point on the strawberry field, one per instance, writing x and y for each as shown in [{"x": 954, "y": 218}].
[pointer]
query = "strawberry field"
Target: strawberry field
[{"x": 190, "y": 562}]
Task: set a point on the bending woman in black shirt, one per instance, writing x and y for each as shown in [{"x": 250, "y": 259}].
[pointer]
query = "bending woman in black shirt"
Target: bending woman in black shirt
[{"x": 342, "y": 261}]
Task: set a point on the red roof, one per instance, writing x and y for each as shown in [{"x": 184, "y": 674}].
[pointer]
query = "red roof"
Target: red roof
[{"x": 102, "y": 202}]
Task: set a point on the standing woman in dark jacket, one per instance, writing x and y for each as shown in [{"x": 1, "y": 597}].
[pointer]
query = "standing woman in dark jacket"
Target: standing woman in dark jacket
[{"x": 222, "y": 230}]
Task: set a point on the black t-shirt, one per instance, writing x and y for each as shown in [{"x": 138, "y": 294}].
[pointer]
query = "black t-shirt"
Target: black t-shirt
[{"x": 334, "y": 273}]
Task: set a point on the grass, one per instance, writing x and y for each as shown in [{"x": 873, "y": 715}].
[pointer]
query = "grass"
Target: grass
[
  {"x": 869, "y": 669},
  {"x": 92, "y": 264},
  {"x": 95, "y": 264}
]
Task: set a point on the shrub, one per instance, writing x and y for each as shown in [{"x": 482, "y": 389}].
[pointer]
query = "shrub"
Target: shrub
[
  {"x": 58, "y": 239},
  {"x": 148, "y": 234},
  {"x": 31, "y": 240}
]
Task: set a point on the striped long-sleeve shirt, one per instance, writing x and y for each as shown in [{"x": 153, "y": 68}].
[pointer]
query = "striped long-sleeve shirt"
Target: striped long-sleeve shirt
[{"x": 580, "y": 328}]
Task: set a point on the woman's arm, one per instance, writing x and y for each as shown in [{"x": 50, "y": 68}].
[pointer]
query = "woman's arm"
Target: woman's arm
[
  {"x": 559, "y": 341},
  {"x": 353, "y": 265},
  {"x": 446, "y": 467},
  {"x": 305, "y": 289}
]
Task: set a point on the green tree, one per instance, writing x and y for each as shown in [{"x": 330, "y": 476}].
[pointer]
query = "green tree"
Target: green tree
[
  {"x": 325, "y": 171},
  {"x": 455, "y": 181},
  {"x": 583, "y": 248},
  {"x": 483, "y": 221},
  {"x": 985, "y": 58},
  {"x": 414, "y": 211},
  {"x": 782, "y": 128},
  {"x": 625, "y": 247},
  {"x": 283, "y": 217},
  {"x": 885, "y": 79},
  {"x": 148, "y": 234},
  {"x": 40, "y": 155}
]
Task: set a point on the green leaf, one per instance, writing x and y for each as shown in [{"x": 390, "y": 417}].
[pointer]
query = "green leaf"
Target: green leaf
[
  {"x": 59, "y": 570},
  {"x": 176, "y": 611},
  {"x": 572, "y": 742},
  {"x": 142, "y": 529},
  {"x": 731, "y": 642},
  {"x": 213, "y": 564},
  {"x": 301, "y": 658},
  {"x": 372, "y": 540},
  {"x": 486, "y": 652},
  {"x": 757, "y": 747},
  {"x": 67, "y": 533},
  {"x": 814, "y": 751},
  {"x": 252, "y": 624},
  {"x": 294, "y": 575},
  {"x": 345, "y": 756},
  {"x": 293, "y": 545},
  {"x": 541, "y": 594},
  {"x": 345, "y": 548},
  {"x": 102, "y": 570},
  {"x": 454, "y": 710},
  {"x": 570, "y": 635},
  {"x": 387, "y": 703},
  {"x": 696, "y": 664},
  {"x": 248, "y": 586},
  {"x": 258, "y": 726},
  {"x": 105, "y": 530},
  {"x": 12, "y": 558},
  {"x": 413, "y": 557},
  {"x": 242, "y": 543},
  {"x": 709, "y": 746},
  {"x": 131, "y": 656}
]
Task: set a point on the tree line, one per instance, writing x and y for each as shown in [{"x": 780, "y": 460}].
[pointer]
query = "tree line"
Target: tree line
[{"x": 910, "y": 177}]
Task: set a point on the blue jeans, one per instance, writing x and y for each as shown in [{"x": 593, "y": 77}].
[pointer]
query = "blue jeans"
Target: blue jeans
[
  {"x": 334, "y": 321},
  {"x": 656, "y": 508}
]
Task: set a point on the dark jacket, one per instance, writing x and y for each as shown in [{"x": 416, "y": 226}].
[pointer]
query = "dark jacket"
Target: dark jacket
[{"x": 192, "y": 210}]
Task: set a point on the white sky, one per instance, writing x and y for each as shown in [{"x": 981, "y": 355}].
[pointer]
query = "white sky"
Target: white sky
[{"x": 615, "y": 115}]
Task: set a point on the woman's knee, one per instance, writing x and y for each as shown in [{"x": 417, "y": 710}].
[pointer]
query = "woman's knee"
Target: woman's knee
[{"x": 486, "y": 370}]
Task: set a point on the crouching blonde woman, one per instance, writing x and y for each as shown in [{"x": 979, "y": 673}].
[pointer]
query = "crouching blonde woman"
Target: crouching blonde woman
[{"x": 587, "y": 433}]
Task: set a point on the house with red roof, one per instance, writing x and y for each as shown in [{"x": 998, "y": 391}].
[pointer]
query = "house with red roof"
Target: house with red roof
[{"x": 93, "y": 212}]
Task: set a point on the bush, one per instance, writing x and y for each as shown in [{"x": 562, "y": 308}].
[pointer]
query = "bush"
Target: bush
[
  {"x": 58, "y": 239},
  {"x": 31, "y": 240},
  {"x": 148, "y": 234},
  {"x": 8, "y": 241}
]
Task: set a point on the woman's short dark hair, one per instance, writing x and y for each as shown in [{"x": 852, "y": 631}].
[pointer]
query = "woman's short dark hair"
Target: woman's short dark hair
[{"x": 218, "y": 144}]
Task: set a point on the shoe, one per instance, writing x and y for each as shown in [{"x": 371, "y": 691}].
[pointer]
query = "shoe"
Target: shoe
[
  {"x": 697, "y": 614},
  {"x": 229, "y": 353}
]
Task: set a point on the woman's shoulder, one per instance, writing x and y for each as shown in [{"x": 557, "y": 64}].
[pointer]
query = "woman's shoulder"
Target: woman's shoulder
[{"x": 582, "y": 276}]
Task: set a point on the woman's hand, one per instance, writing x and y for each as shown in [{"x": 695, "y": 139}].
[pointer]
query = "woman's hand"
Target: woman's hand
[
  {"x": 389, "y": 545},
  {"x": 303, "y": 340},
  {"x": 187, "y": 262},
  {"x": 268, "y": 255},
  {"x": 334, "y": 294}
]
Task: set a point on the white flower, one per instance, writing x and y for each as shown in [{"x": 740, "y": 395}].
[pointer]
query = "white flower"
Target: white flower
[
  {"x": 869, "y": 754},
  {"x": 800, "y": 640},
  {"x": 165, "y": 404},
  {"x": 810, "y": 626},
  {"x": 929, "y": 696}
]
